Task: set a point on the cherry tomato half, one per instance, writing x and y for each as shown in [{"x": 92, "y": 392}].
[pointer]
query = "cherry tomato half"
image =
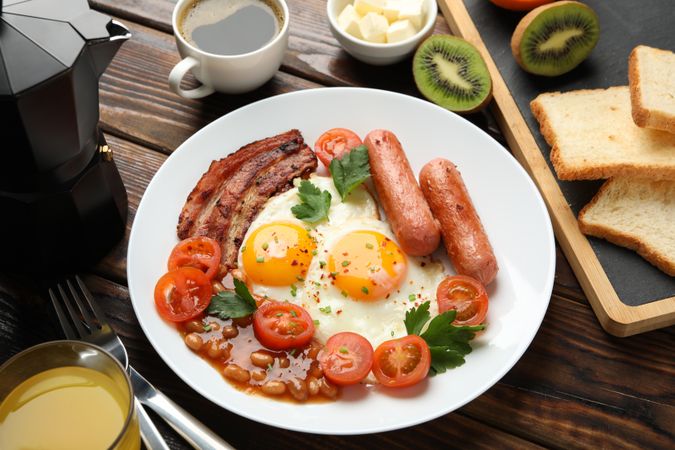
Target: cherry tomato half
[
  {"x": 282, "y": 325},
  {"x": 182, "y": 294},
  {"x": 346, "y": 358},
  {"x": 402, "y": 362},
  {"x": 520, "y": 5},
  {"x": 466, "y": 295},
  {"x": 200, "y": 251},
  {"x": 334, "y": 143}
]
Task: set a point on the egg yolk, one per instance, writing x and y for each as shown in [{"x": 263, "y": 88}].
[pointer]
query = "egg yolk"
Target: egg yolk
[
  {"x": 278, "y": 254},
  {"x": 367, "y": 265}
]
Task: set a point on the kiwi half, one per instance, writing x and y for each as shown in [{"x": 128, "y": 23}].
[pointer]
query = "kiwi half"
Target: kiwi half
[
  {"x": 553, "y": 39},
  {"x": 451, "y": 73}
]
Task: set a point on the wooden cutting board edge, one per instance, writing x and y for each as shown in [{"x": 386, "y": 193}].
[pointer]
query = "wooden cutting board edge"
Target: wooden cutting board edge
[{"x": 615, "y": 317}]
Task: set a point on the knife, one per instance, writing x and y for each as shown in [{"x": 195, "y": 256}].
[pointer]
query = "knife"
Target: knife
[{"x": 192, "y": 430}]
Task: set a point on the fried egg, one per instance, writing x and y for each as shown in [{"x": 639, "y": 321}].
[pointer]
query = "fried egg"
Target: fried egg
[
  {"x": 348, "y": 271},
  {"x": 361, "y": 281}
]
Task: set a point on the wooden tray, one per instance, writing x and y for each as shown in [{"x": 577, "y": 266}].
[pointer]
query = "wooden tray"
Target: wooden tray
[{"x": 628, "y": 294}]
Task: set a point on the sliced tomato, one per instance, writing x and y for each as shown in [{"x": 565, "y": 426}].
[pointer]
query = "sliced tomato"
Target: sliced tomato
[
  {"x": 465, "y": 295},
  {"x": 182, "y": 294},
  {"x": 402, "y": 362},
  {"x": 520, "y": 5},
  {"x": 334, "y": 143},
  {"x": 282, "y": 325},
  {"x": 346, "y": 358},
  {"x": 200, "y": 251}
]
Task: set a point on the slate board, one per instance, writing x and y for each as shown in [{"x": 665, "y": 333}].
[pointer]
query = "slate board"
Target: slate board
[{"x": 624, "y": 24}]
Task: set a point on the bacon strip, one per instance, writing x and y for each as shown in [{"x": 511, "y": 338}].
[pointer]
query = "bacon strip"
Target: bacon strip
[{"x": 234, "y": 189}]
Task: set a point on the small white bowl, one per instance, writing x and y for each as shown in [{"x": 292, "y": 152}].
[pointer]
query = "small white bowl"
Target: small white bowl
[{"x": 379, "y": 54}]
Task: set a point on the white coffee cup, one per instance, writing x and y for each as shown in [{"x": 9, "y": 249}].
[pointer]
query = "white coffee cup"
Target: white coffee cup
[{"x": 229, "y": 74}]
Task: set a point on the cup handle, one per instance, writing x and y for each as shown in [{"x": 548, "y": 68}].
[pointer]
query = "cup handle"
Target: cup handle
[{"x": 177, "y": 74}]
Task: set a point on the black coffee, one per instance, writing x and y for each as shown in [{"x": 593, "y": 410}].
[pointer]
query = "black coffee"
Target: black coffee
[{"x": 230, "y": 27}]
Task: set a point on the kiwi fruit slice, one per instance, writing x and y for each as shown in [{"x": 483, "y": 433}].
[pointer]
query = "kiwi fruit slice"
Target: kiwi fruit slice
[
  {"x": 451, "y": 73},
  {"x": 553, "y": 39}
]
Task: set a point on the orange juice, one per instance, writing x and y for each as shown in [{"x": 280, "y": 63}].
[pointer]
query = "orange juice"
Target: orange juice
[{"x": 67, "y": 408}]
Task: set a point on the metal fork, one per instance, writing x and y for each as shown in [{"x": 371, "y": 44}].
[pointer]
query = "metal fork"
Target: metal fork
[{"x": 91, "y": 326}]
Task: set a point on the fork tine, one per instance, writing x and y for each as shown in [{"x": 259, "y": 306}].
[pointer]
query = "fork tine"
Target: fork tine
[
  {"x": 73, "y": 315},
  {"x": 65, "y": 326},
  {"x": 88, "y": 320},
  {"x": 98, "y": 313}
]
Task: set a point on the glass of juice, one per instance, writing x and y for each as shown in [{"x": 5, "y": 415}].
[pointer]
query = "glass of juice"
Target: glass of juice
[{"x": 66, "y": 395}]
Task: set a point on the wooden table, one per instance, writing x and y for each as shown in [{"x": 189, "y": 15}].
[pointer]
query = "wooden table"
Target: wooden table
[{"x": 576, "y": 386}]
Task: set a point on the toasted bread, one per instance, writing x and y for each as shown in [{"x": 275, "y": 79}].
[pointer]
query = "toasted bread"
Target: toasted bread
[
  {"x": 593, "y": 136},
  {"x": 638, "y": 214},
  {"x": 651, "y": 74}
]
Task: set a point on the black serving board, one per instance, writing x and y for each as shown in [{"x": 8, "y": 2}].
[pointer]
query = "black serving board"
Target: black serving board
[{"x": 624, "y": 25}]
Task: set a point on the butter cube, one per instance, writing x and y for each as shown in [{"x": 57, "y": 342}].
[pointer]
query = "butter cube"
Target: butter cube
[
  {"x": 364, "y": 7},
  {"x": 391, "y": 10},
  {"x": 374, "y": 27},
  {"x": 414, "y": 12},
  {"x": 400, "y": 31},
  {"x": 348, "y": 20}
]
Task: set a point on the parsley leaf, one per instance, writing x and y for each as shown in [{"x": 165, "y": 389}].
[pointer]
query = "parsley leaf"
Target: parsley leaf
[
  {"x": 443, "y": 358},
  {"x": 448, "y": 344},
  {"x": 233, "y": 304},
  {"x": 314, "y": 203},
  {"x": 415, "y": 318},
  {"x": 351, "y": 170}
]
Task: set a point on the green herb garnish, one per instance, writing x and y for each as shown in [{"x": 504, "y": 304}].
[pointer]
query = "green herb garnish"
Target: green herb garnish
[
  {"x": 351, "y": 170},
  {"x": 232, "y": 304},
  {"x": 325, "y": 309},
  {"x": 294, "y": 291},
  {"x": 314, "y": 203},
  {"x": 448, "y": 344}
]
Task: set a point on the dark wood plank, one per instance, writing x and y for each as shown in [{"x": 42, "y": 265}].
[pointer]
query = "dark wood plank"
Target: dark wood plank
[
  {"x": 136, "y": 102},
  {"x": 16, "y": 301},
  {"x": 575, "y": 387}
]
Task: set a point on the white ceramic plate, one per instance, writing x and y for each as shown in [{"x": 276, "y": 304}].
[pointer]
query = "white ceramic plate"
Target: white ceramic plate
[{"x": 507, "y": 201}]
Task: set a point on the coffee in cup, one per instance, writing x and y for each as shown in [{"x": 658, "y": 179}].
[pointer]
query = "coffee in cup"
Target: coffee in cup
[
  {"x": 230, "y": 27},
  {"x": 231, "y": 46}
]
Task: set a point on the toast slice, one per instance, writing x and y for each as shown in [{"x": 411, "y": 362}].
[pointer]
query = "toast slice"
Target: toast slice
[
  {"x": 638, "y": 214},
  {"x": 651, "y": 75},
  {"x": 593, "y": 136}
]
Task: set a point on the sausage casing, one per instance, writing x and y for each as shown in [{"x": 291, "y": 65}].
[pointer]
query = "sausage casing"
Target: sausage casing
[
  {"x": 401, "y": 198},
  {"x": 465, "y": 240}
]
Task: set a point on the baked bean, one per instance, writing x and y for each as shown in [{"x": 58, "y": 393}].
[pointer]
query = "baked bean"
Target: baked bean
[
  {"x": 284, "y": 362},
  {"x": 230, "y": 331},
  {"x": 259, "y": 375},
  {"x": 328, "y": 389},
  {"x": 194, "y": 341},
  {"x": 217, "y": 286},
  {"x": 214, "y": 349},
  {"x": 194, "y": 326},
  {"x": 316, "y": 371},
  {"x": 236, "y": 373},
  {"x": 214, "y": 326},
  {"x": 298, "y": 389},
  {"x": 262, "y": 360},
  {"x": 274, "y": 387},
  {"x": 312, "y": 385},
  {"x": 243, "y": 321}
]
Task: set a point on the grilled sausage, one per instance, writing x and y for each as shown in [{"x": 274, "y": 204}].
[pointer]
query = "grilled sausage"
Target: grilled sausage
[
  {"x": 408, "y": 212},
  {"x": 465, "y": 240}
]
